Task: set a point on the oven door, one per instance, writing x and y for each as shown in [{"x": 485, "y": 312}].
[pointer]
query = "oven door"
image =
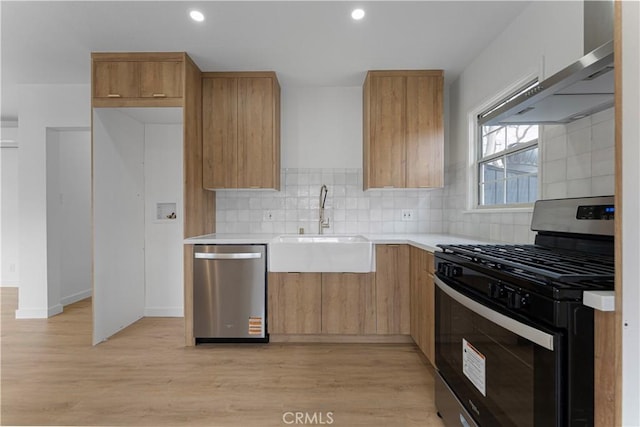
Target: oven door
[{"x": 500, "y": 370}]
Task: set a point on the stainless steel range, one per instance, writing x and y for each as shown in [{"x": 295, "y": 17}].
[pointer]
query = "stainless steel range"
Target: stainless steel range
[{"x": 514, "y": 343}]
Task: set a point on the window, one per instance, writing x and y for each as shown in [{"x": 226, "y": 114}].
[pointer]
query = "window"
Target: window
[{"x": 507, "y": 164}]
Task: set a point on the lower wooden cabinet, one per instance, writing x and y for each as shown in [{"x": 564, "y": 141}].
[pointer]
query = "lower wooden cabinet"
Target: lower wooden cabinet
[
  {"x": 392, "y": 289},
  {"x": 315, "y": 303},
  {"x": 293, "y": 305},
  {"x": 422, "y": 291},
  {"x": 348, "y": 304}
]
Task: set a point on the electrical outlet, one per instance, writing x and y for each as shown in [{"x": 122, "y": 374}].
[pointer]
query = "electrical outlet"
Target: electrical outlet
[
  {"x": 407, "y": 214},
  {"x": 12, "y": 268},
  {"x": 267, "y": 215}
]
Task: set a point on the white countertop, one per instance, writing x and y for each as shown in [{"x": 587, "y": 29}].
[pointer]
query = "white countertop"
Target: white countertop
[
  {"x": 422, "y": 241},
  {"x": 600, "y": 300},
  {"x": 226, "y": 239}
]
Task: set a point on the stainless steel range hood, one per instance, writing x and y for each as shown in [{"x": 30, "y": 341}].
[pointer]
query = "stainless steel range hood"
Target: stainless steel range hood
[{"x": 579, "y": 90}]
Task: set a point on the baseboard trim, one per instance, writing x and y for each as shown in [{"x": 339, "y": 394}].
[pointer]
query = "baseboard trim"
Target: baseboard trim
[
  {"x": 164, "y": 312},
  {"x": 56, "y": 309},
  {"x": 320, "y": 338},
  {"x": 78, "y": 296},
  {"x": 9, "y": 284},
  {"x": 32, "y": 313}
]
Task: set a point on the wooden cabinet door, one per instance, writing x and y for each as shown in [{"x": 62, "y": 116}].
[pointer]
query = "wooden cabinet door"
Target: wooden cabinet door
[
  {"x": 219, "y": 132},
  {"x": 416, "y": 297},
  {"x": 392, "y": 289},
  {"x": 386, "y": 131},
  {"x": 116, "y": 79},
  {"x": 294, "y": 301},
  {"x": 255, "y": 133},
  {"x": 241, "y": 130},
  {"x": 161, "y": 79},
  {"x": 348, "y": 305},
  {"x": 429, "y": 332},
  {"x": 423, "y": 302},
  {"x": 424, "y": 132}
]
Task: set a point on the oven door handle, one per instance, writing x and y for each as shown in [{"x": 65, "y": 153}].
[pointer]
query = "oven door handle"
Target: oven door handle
[{"x": 525, "y": 331}]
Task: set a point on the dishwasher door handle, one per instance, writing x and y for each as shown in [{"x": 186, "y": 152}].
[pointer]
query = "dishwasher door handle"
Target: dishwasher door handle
[{"x": 244, "y": 255}]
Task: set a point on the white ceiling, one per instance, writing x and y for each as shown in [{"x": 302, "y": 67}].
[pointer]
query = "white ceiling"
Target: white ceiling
[{"x": 306, "y": 43}]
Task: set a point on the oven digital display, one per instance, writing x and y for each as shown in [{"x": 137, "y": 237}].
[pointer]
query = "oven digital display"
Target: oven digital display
[{"x": 597, "y": 212}]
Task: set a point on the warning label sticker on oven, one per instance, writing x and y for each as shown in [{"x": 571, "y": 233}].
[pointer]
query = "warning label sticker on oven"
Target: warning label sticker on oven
[{"x": 473, "y": 366}]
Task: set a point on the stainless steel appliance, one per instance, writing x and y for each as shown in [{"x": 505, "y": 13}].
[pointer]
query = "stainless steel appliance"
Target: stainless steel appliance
[
  {"x": 514, "y": 343},
  {"x": 581, "y": 89},
  {"x": 229, "y": 293}
]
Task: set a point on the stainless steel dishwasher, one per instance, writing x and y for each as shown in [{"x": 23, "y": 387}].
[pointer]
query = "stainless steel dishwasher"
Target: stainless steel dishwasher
[{"x": 229, "y": 293}]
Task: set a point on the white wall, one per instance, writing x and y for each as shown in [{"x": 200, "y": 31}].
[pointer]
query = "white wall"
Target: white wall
[
  {"x": 69, "y": 215},
  {"x": 321, "y": 127},
  {"x": 41, "y": 107},
  {"x": 118, "y": 219},
  {"x": 163, "y": 238},
  {"x": 630, "y": 208},
  {"x": 54, "y": 220},
  {"x": 9, "y": 266}
]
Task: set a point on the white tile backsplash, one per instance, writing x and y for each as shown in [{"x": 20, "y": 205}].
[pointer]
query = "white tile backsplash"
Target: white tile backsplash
[
  {"x": 579, "y": 141},
  {"x": 555, "y": 171},
  {"x": 349, "y": 208},
  {"x": 579, "y": 166},
  {"x": 603, "y": 162}
]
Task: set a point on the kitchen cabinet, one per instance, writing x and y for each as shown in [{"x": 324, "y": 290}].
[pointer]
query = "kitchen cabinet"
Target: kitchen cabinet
[
  {"x": 161, "y": 79},
  {"x": 116, "y": 79},
  {"x": 423, "y": 302},
  {"x": 241, "y": 130},
  {"x": 321, "y": 303},
  {"x": 138, "y": 79},
  {"x": 294, "y": 301},
  {"x": 392, "y": 289},
  {"x": 403, "y": 131},
  {"x": 348, "y": 305}
]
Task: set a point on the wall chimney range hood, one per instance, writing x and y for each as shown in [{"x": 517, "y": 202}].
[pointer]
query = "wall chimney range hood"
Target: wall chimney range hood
[{"x": 579, "y": 90}]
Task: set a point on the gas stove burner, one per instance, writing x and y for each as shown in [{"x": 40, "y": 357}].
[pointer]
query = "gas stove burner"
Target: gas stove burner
[{"x": 544, "y": 263}]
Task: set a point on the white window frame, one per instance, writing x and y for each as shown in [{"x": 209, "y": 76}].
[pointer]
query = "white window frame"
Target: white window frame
[{"x": 473, "y": 162}]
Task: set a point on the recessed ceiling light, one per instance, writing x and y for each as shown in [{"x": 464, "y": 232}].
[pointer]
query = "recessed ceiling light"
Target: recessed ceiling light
[
  {"x": 196, "y": 15},
  {"x": 357, "y": 14}
]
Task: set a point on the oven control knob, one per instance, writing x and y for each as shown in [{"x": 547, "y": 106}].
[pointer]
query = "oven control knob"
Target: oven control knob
[
  {"x": 496, "y": 290},
  {"x": 449, "y": 270},
  {"x": 513, "y": 300},
  {"x": 516, "y": 300},
  {"x": 442, "y": 267},
  {"x": 455, "y": 271}
]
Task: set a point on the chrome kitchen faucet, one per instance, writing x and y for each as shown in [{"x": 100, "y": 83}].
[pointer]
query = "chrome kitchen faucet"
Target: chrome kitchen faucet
[{"x": 323, "y": 222}]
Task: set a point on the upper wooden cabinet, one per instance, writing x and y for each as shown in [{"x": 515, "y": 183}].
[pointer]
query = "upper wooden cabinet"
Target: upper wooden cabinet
[
  {"x": 139, "y": 79},
  {"x": 241, "y": 130},
  {"x": 403, "y": 129},
  {"x": 115, "y": 79},
  {"x": 161, "y": 79}
]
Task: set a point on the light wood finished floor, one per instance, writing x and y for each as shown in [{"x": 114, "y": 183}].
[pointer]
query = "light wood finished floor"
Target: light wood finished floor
[{"x": 144, "y": 376}]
